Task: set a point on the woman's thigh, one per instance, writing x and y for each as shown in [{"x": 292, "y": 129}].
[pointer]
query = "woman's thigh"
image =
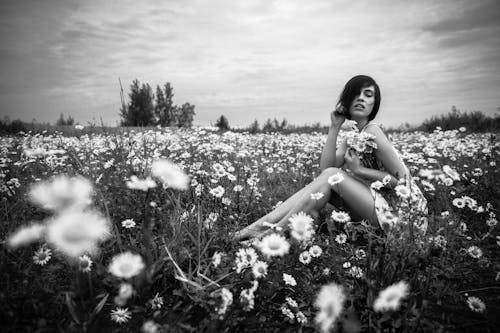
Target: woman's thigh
[{"x": 357, "y": 197}]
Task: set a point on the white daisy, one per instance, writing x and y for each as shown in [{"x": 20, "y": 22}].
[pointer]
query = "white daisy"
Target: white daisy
[
  {"x": 403, "y": 191},
  {"x": 301, "y": 226},
  {"x": 121, "y": 315},
  {"x": 42, "y": 256},
  {"x": 476, "y": 304},
  {"x": 140, "y": 184},
  {"x": 340, "y": 216},
  {"x": 475, "y": 252},
  {"x": 341, "y": 238},
  {"x": 289, "y": 280},
  {"x": 330, "y": 302},
  {"x": 217, "y": 192},
  {"x": 315, "y": 251},
  {"x": 305, "y": 257},
  {"x": 126, "y": 265},
  {"x": 390, "y": 298},
  {"x": 335, "y": 179},
  {"x": 259, "y": 269},
  {"x": 170, "y": 174},
  {"x": 26, "y": 235},
  {"x": 317, "y": 196},
  {"x": 75, "y": 233},
  {"x": 85, "y": 263},
  {"x": 128, "y": 223},
  {"x": 62, "y": 192},
  {"x": 274, "y": 245}
]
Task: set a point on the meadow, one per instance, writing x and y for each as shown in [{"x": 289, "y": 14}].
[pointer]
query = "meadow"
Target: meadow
[{"x": 100, "y": 232}]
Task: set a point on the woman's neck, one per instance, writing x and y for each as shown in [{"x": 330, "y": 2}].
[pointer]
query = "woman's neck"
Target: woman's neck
[{"x": 361, "y": 123}]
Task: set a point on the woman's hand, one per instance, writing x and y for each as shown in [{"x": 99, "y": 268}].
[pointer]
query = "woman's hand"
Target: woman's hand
[
  {"x": 338, "y": 116},
  {"x": 352, "y": 161}
]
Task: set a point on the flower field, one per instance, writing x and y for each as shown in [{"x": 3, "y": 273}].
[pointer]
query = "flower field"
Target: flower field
[{"x": 132, "y": 233}]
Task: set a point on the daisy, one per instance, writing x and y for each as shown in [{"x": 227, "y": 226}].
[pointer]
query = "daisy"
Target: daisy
[
  {"x": 75, "y": 232},
  {"x": 140, "y": 184},
  {"x": 491, "y": 222},
  {"x": 336, "y": 179},
  {"x": 259, "y": 269},
  {"x": 121, "y": 315},
  {"x": 150, "y": 326},
  {"x": 274, "y": 245},
  {"x": 475, "y": 304},
  {"x": 377, "y": 185},
  {"x": 156, "y": 302},
  {"x": 451, "y": 173},
  {"x": 42, "y": 256},
  {"x": 287, "y": 312},
  {"x": 403, "y": 191},
  {"x": 390, "y": 297},
  {"x": 291, "y": 302},
  {"x": 26, "y": 235},
  {"x": 126, "y": 291},
  {"x": 85, "y": 263},
  {"x": 458, "y": 202},
  {"x": 387, "y": 218},
  {"x": 217, "y": 192},
  {"x": 316, "y": 196},
  {"x": 170, "y": 174},
  {"x": 341, "y": 238},
  {"x": 386, "y": 180},
  {"x": 128, "y": 223},
  {"x": 126, "y": 265},
  {"x": 289, "y": 280},
  {"x": 315, "y": 251},
  {"x": 226, "y": 300},
  {"x": 301, "y": 317},
  {"x": 217, "y": 259},
  {"x": 238, "y": 188},
  {"x": 305, "y": 257},
  {"x": 340, "y": 216},
  {"x": 475, "y": 252},
  {"x": 330, "y": 302},
  {"x": 62, "y": 192},
  {"x": 301, "y": 226}
]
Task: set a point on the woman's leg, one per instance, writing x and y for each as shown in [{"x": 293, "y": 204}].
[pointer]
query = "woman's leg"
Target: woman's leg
[
  {"x": 356, "y": 195},
  {"x": 279, "y": 212}
]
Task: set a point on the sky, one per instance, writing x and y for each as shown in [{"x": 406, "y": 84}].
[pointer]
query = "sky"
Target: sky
[{"x": 248, "y": 59}]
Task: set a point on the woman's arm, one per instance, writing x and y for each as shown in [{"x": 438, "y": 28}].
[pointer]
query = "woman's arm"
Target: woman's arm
[{"x": 331, "y": 156}]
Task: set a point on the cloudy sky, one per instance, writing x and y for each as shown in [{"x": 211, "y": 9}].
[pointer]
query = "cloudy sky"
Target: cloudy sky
[{"x": 248, "y": 59}]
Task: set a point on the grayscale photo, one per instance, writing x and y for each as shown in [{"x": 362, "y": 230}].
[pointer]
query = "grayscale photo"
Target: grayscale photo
[{"x": 249, "y": 166}]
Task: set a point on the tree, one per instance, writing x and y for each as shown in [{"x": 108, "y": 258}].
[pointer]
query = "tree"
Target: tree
[
  {"x": 140, "y": 109},
  {"x": 65, "y": 122},
  {"x": 165, "y": 111},
  {"x": 185, "y": 115},
  {"x": 268, "y": 126},
  {"x": 222, "y": 123},
  {"x": 254, "y": 127}
]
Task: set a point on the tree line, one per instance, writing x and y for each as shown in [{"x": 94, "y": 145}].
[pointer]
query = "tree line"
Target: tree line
[{"x": 145, "y": 108}]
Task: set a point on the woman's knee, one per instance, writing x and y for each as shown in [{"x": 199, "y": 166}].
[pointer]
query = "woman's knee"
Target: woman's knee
[{"x": 328, "y": 172}]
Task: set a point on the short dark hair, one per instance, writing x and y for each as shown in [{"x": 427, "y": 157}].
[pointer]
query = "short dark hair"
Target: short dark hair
[{"x": 353, "y": 88}]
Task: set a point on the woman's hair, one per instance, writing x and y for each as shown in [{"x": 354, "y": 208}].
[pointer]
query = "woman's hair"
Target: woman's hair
[{"x": 353, "y": 88}]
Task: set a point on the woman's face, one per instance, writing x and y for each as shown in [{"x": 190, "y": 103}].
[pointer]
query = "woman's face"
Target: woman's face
[{"x": 362, "y": 104}]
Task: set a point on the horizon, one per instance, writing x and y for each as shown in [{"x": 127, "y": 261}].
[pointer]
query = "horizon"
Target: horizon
[{"x": 246, "y": 61}]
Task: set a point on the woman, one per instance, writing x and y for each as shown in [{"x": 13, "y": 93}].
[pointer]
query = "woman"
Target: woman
[{"x": 359, "y": 176}]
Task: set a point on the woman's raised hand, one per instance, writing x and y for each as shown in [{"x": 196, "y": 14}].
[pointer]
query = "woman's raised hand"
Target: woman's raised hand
[{"x": 338, "y": 116}]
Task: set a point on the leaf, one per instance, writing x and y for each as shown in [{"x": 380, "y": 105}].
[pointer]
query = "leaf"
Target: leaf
[
  {"x": 71, "y": 307},
  {"x": 100, "y": 305}
]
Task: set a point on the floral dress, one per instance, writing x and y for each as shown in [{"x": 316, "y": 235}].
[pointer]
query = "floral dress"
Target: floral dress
[{"x": 406, "y": 203}]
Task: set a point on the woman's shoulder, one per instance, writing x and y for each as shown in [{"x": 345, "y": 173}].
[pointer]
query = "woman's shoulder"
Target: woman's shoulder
[{"x": 374, "y": 128}]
